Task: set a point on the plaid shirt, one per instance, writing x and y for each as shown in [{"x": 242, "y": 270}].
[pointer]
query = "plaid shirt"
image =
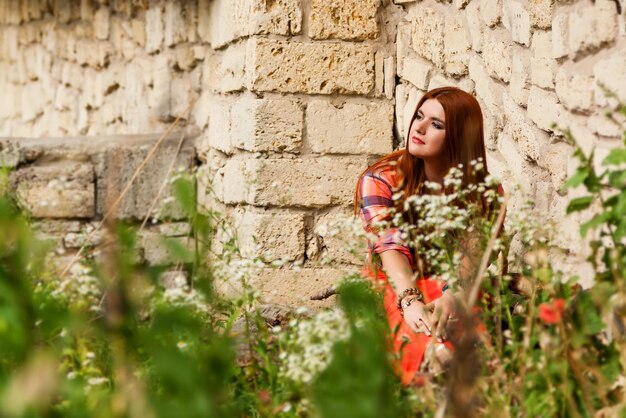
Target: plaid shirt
[{"x": 377, "y": 188}]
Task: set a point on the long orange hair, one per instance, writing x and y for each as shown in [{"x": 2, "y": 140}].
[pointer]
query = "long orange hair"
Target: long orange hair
[{"x": 464, "y": 142}]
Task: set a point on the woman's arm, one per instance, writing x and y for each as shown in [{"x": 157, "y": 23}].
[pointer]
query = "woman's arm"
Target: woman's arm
[{"x": 400, "y": 275}]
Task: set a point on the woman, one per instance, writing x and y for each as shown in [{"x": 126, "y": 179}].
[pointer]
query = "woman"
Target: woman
[{"x": 446, "y": 130}]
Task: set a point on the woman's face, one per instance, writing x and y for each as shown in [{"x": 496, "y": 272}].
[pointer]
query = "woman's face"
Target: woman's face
[{"x": 428, "y": 131}]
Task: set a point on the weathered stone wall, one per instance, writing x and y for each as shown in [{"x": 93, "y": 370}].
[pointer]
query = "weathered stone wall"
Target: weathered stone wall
[{"x": 294, "y": 97}]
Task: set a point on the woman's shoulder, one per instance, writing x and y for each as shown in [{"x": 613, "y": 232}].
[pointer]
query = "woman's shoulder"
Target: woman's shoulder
[{"x": 386, "y": 174}]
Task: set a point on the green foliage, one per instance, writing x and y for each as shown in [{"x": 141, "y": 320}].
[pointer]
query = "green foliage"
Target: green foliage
[{"x": 110, "y": 341}]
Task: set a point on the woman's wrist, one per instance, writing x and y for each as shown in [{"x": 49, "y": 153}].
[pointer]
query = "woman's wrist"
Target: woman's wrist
[{"x": 409, "y": 301}]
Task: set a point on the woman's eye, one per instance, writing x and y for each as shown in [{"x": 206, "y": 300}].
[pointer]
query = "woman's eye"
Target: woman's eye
[
  {"x": 437, "y": 125},
  {"x": 419, "y": 117}
]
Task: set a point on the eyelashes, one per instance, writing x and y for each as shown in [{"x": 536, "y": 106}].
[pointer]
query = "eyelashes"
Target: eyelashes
[{"x": 436, "y": 125}]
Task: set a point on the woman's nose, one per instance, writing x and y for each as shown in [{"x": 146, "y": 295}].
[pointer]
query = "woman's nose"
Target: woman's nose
[{"x": 419, "y": 125}]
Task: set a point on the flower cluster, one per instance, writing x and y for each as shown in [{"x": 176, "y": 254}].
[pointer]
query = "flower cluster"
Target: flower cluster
[
  {"x": 80, "y": 288},
  {"x": 309, "y": 344},
  {"x": 181, "y": 295}
]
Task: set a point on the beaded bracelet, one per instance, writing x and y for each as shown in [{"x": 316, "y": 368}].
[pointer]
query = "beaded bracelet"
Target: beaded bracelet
[
  {"x": 410, "y": 291},
  {"x": 408, "y": 303}
]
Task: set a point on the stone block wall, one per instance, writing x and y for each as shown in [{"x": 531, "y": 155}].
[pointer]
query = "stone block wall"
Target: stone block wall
[
  {"x": 68, "y": 185},
  {"x": 290, "y": 101}
]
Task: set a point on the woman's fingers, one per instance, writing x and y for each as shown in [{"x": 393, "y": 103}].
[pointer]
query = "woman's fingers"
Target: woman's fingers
[{"x": 440, "y": 331}]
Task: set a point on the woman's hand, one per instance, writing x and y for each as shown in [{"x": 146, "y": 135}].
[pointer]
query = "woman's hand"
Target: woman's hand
[
  {"x": 417, "y": 317},
  {"x": 443, "y": 308}
]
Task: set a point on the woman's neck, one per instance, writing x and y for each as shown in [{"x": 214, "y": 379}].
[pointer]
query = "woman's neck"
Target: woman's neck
[{"x": 435, "y": 171}]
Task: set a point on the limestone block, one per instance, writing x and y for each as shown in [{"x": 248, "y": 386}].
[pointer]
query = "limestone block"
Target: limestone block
[
  {"x": 348, "y": 20},
  {"x": 72, "y": 75},
  {"x": 486, "y": 89},
  {"x": 33, "y": 101},
  {"x": 610, "y": 73},
  {"x": 204, "y": 17},
  {"x": 428, "y": 35},
  {"x": 409, "y": 109},
  {"x": 270, "y": 234},
  {"x": 154, "y": 29},
  {"x": 66, "y": 98},
  {"x": 155, "y": 250},
  {"x": 390, "y": 73},
  {"x": 337, "y": 238},
  {"x": 520, "y": 76},
  {"x": 138, "y": 28},
  {"x": 57, "y": 190},
  {"x": 554, "y": 159},
  {"x": 456, "y": 47},
  {"x": 101, "y": 23},
  {"x": 583, "y": 136},
  {"x": 9, "y": 47},
  {"x": 592, "y": 26},
  {"x": 118, "y": 163},
  {"x": 83, "y": 238},
  {"x": 175, "y": 30},
  {"x": 319, "y": 182},
  {"x": 175, "y": 229},
  {"x": 417, "y": 72},
  {"x": 37, "y": 61},
  {"x": 544, "y": 109},
  {"x": 600, "y": 124},
  {"x": 516, "y": 18},
  {"x": 491, "y": 11},
  {"x": 62, "y": 11},
  {"x": 219, "y": 132},
  {"x": 353, "y": 129},
  {"x": 295, "y": 287},
  {"x": 541, "y": 13},
  {"x": 200, "y": 112},
  {"x": 86, "y": 10},
  {"x": 515, "y": 162},
  {"x": 183, "y": 95},
  {"x": 497, "y": 54},
  {"x": 560, "y": 36},
  {"x": 575, "y": 91},
  {"x": 188, "y": 55},
  {"x": 475, "y": 25},
  {"x": 542, "y": 66},
  {"x": 107, "y": 82},
  {"x": 531, "y": 140},
  {"x": 225, "y": 71},
  {"x": 294, "y": 67},
  {"x": 29, "y": 33},
  {"x": 379, "y": 73},
  {"x": 493, "y": 127},
  {"x": 230, "y": 20},
  {"x": 95, "y": 54},
  {"x": 160, "y": 96},
  {"x": 267, "y": 125},
  {"x": 403, "y": 44}
]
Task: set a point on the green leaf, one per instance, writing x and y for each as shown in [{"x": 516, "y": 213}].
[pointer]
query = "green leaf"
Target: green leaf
[
  {"x": 618, "y": 178},
  {"x": 178, "y": 251},
  {"x": 616, "y": 156},
  {"x": 594, "y": 222},
  {"x": 577, "y": 179},
  {"x": 580, "y": 203}
]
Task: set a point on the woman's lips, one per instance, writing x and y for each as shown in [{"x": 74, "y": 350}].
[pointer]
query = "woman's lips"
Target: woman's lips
[{"x": 417, "y": 140}]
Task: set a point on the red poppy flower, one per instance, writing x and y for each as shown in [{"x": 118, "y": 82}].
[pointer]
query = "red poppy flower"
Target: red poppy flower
[
  {"x": 552, "y": 313},
  {"x": 264, "y": 396}
]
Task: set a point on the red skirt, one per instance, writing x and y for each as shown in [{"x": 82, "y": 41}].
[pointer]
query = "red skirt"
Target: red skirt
[{"x": 408, "y": 345}]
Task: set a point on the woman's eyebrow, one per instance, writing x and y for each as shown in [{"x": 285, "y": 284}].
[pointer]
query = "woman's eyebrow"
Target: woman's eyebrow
[{"x": 432, "y": 117}]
